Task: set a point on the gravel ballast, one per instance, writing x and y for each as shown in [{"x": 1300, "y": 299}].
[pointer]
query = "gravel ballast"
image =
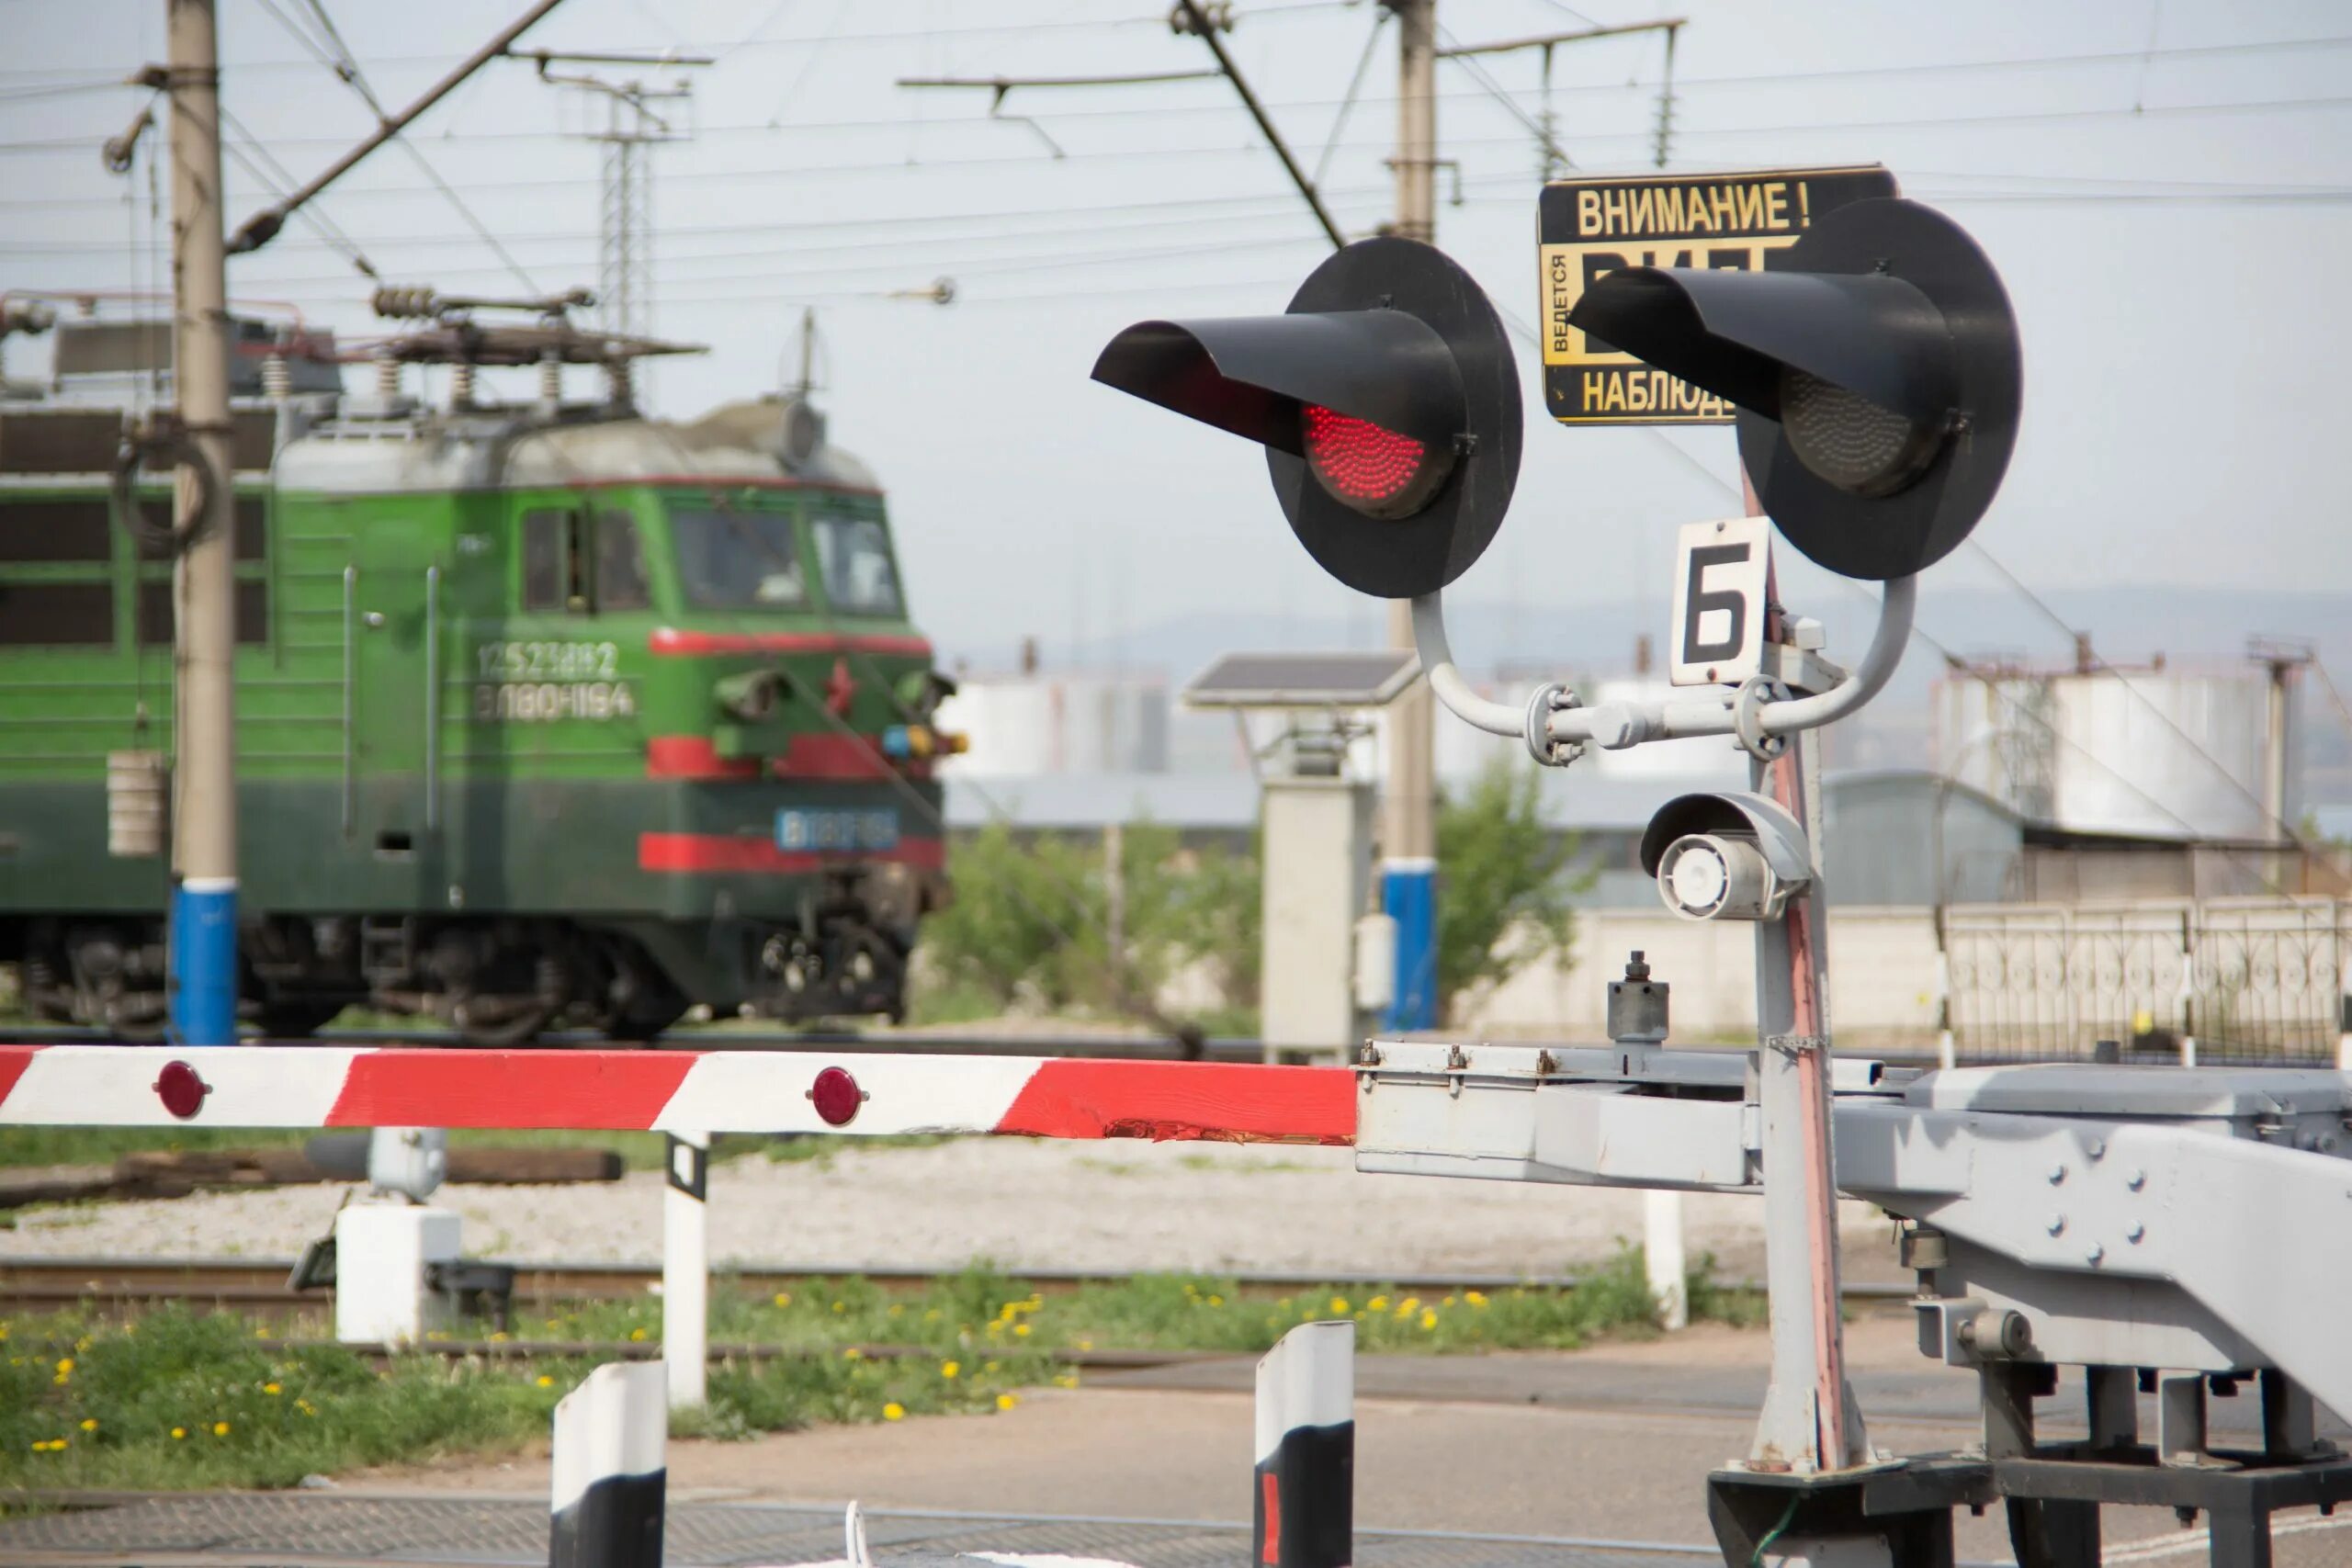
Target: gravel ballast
[{"x": 1019, "y": 1203}]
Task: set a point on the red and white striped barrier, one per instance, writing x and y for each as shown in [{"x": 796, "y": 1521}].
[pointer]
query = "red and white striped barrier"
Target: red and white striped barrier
[{"x": 706, "y": 1091}]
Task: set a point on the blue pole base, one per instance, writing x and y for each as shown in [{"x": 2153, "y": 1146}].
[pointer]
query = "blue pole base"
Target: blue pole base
[
  {"x": 1409, "y": 896},
  {"x": 203, "y": 947}
]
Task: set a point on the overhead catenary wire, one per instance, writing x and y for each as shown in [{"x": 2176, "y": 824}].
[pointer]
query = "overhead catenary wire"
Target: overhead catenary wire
[
  {"x": 1196, "y": 153},
  {"x": 345, "y": 66}
]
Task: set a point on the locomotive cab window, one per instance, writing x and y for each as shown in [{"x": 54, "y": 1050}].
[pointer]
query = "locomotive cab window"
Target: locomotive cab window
[
  {"x": 731, "y": 559},
  {"x": 574, "y": 562},
  {"x": 861, "y": 579},
  {"x": 621, "y": 582}
]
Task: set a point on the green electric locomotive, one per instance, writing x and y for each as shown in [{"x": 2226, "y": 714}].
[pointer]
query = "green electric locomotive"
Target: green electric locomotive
[{"x": 549, "y": 715}]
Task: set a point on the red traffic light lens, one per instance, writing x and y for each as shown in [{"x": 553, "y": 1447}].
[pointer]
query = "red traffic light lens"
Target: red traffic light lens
[{"x": 1378, "y": 471}]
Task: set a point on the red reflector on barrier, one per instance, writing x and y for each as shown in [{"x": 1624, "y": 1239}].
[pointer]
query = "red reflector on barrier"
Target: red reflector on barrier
[
  {"x": 836, "y": 1097},
  {"x": 180, "y": 1090}
]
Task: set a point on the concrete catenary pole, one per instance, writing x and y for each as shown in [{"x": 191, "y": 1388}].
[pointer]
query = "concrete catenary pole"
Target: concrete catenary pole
[
  {"x": 204, "y": 839},
  {"x": 1409, "y": 820}
]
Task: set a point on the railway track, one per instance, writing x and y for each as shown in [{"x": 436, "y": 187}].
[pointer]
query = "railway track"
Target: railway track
[{"x": 42, "y": 1283}]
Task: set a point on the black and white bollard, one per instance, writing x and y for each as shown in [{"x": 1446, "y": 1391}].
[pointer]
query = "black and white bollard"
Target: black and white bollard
[
  {"x": 685, "y": 1270},
  {"x": 1306, "y": 1479},
  {"x": 611, "y": 1436}
]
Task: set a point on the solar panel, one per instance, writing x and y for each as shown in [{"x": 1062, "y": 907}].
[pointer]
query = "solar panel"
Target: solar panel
[{"x": 1336, "y": 680}]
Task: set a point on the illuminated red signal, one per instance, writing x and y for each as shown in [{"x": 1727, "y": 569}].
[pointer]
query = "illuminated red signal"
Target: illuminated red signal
[{"x": 1378, "y": 471}]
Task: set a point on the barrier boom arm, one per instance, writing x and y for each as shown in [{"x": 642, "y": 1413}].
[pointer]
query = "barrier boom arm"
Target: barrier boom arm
[{"x": 703, "y": 1091}]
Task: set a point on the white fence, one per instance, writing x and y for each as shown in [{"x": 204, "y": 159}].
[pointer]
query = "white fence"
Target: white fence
[{"x": 2245, "y": 978}]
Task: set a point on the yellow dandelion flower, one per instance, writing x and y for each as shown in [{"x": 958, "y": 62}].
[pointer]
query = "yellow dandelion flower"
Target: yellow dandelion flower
[
  {"x": 546, "y": 1381},
  {"x": 1216, "y": 1300},
  {"x": 261, "y": 1331},
  {"x": 1068, "y": 1380},
  {"x": 497, "y": 1335},
  {"x": 932, "y": 1315},
  {"x": 1474, "y": 1298},
  {"x": 991, "y": 1366},
  {"x": 81, "y": 1344},
  {"x": 1009, "y": 1311},
  {"x": 1409, "y": 1307},
  {"x": 840, "y": 1306},
  {"x": 853, "y": 1354},
  {"x": 219, "y": 1428},
  {"x": 89, "y": 1423},
  {"x": 784, "y": 1297},
  {"x": 3, "y": 1331},
  {"x": 1006, "y": 1401},
  {"x": 949, "y": 1369},
  {"x": 65, "y": 1367},
  {"x": 1377, "y": 1304},
  {"x": 40, "y": 1446},
  {"x": 1020, "y": 1330},
  {"x": 894, "y": 1411},
  {"x": 272, "y": 1389},
  {"x": 1448, "y": 1301},
  {"x": 1429, "y": 1317},
  {"x": 178, "y": 1432},
  {"x": 1086, "y": 1344},
  {"x": 638, "y": 1334},
  {"x": 1339, "y": 1304},
  {"x": 306, "y": 1407}
]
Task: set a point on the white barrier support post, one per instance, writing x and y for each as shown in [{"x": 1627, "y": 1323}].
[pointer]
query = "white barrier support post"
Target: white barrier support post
[
  {"x": 1663, "y": 1257},
  {"x": 685, "y": 1270},
  {"x": 611, "y": 1480},
  {"x": 1304, "y": 1512}
]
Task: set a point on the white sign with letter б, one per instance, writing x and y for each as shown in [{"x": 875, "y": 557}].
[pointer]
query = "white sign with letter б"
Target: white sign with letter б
[{"x": 1719, "y": 571}]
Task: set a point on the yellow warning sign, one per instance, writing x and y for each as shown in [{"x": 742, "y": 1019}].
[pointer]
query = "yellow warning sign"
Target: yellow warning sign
[{"x": 1590, "y": 227}]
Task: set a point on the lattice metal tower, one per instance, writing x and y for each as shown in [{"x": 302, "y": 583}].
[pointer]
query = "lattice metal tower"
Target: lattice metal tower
[{"x": 632, "y": 125}]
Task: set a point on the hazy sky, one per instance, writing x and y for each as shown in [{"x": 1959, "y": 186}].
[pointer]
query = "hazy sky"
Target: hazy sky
[{"x": 2168, "y": 188}]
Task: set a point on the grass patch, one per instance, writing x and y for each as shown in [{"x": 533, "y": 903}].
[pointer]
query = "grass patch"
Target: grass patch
[{"x": 182, "y": 1399}]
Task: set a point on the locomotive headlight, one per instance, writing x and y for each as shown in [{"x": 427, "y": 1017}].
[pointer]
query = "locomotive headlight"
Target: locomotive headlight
[{"x": 750, "y": 696}]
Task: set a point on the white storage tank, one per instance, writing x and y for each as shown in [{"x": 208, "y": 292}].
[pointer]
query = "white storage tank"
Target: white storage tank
[
  {"x": 1022, "y": 726},
  {"x": 2169, "y": 753}
]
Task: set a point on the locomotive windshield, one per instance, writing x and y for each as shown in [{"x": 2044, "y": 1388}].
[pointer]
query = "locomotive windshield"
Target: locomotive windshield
[
  {"x": 860, "y": 578},
  {"x": 738, "y": 560}
]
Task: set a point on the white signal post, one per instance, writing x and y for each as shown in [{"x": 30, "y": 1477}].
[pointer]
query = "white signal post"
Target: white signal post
[{"x": 685, "y": 1270}]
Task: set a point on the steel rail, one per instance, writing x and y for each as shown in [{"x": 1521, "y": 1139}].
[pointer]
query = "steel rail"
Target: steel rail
[{"x": 47, "y": 1282}]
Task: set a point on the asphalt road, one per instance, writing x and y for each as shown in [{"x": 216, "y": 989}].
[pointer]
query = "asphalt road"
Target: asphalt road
[{"x": 1612, "y": 1443}]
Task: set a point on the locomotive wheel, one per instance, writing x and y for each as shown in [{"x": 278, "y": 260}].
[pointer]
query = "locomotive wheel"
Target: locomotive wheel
[
  {"x": 646, "y": 1019},
  {"x": 503, "y": 1029},
  {"x": 295, "y": 1020}
]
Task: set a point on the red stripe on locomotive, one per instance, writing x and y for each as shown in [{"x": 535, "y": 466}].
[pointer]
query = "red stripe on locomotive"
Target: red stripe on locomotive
[{"x": 740, "y": 853}]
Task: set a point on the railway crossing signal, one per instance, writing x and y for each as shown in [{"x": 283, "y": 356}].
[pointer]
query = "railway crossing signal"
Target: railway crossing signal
[
  {"x": 1387, "y": 400},
  {"x": 1875, "y": 367}
]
